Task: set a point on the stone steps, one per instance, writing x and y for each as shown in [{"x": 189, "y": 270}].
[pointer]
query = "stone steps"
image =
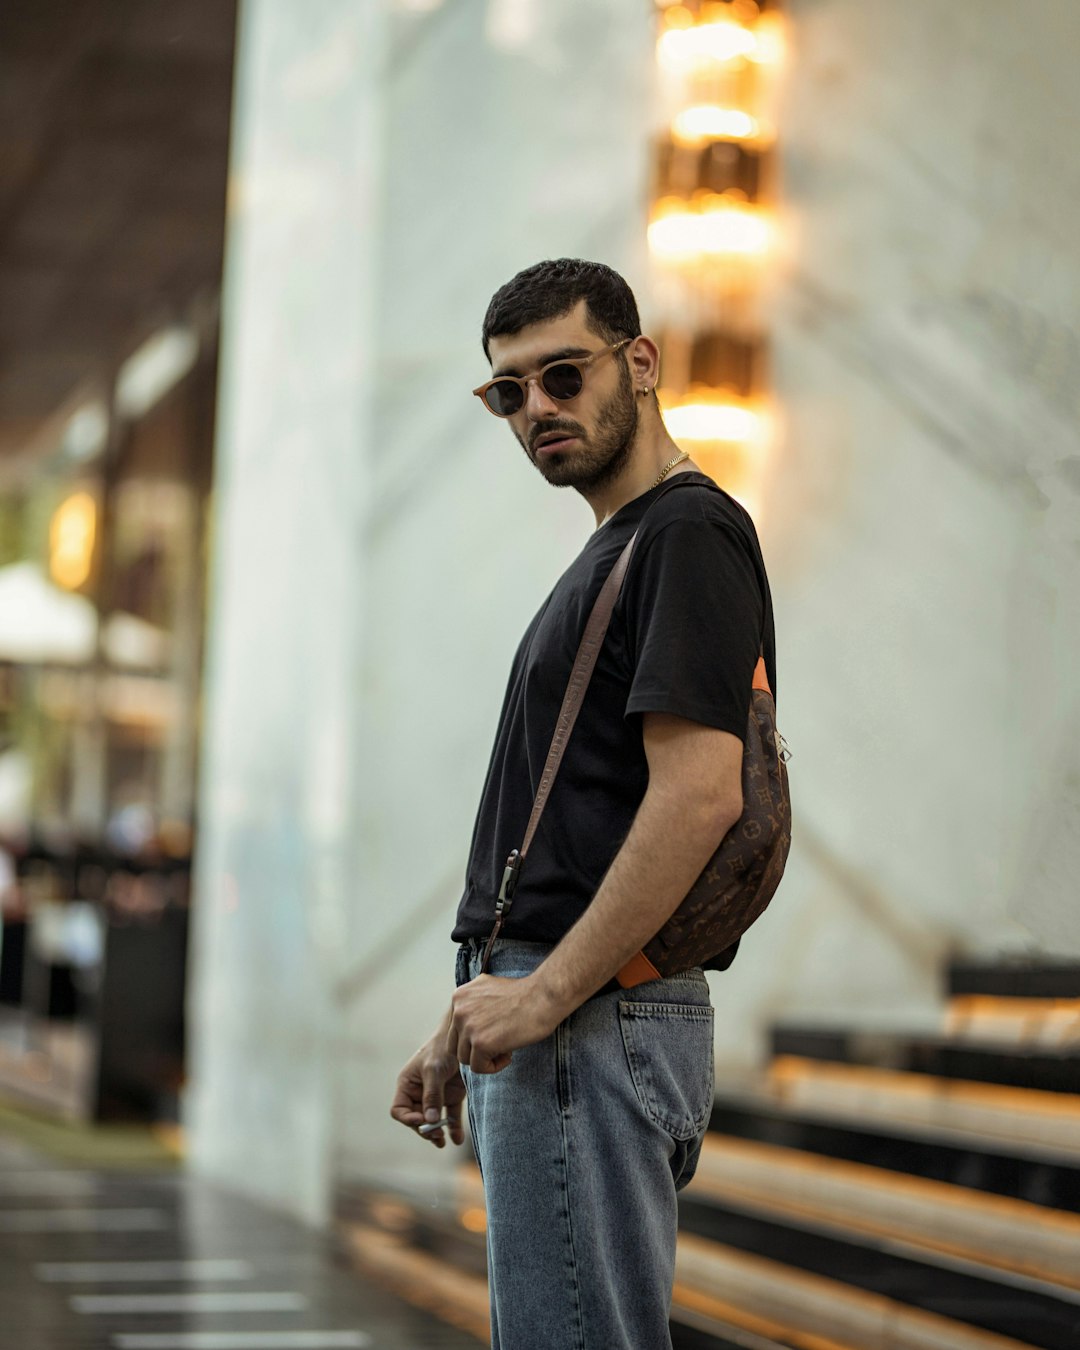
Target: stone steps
[{"x": 869, "y": 1190}]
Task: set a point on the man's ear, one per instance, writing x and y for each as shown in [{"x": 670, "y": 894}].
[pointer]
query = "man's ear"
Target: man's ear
[{"x": 644, "y": 363}]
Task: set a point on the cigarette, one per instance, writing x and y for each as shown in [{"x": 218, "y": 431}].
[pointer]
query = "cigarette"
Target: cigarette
[{"x": 443, "y": 1124}]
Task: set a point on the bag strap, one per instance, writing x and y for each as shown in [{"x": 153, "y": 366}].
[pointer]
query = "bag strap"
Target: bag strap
[{"x": 584, "y": 665}]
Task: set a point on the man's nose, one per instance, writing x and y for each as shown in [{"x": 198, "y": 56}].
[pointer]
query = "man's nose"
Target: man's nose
[{"x": 538, "y": 403}]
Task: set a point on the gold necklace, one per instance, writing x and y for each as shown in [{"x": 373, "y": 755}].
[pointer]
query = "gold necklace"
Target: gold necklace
[{"x": 677, "y": 459}]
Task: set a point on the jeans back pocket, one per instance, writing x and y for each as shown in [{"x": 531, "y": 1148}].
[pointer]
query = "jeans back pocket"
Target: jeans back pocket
[{"x": 669, "y": 1047}]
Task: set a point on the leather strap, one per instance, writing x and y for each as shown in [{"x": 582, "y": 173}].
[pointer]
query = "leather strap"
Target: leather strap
[
  {"x": 584, "y": 664},
  {"x": 580, "y": 675}
]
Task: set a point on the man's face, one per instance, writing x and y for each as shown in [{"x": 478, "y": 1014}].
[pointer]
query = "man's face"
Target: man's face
[{"x": 583, "y": 442}]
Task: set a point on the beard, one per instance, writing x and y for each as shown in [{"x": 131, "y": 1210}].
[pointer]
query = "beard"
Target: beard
[{"x": 599, "y": 458}]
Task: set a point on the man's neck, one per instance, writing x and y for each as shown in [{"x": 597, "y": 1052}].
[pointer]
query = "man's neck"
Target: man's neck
[{"x": 653, "y": 449}]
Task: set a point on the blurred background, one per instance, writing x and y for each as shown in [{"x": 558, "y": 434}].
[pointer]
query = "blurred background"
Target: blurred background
[{"x": 264, "y": 563}]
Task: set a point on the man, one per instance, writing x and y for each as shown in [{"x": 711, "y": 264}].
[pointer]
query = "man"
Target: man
[{"x": 587, "y": 1102}]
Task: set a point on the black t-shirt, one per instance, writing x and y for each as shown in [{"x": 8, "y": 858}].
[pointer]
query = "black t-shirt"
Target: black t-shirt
[{"x": 692, "y": 616}]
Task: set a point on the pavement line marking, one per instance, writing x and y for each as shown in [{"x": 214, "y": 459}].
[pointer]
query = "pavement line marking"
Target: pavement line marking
[
  {"x": 189, "y": 1302},
  {"x": 40, "y": 1182},
  {"x": 59, "y": 1272},
  {"x": 243, "y": 1340},
  {"x": 84, "y": 1220}
]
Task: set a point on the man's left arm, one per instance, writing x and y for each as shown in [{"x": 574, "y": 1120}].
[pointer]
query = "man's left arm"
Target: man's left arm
[{"x": 693, "y": 798}]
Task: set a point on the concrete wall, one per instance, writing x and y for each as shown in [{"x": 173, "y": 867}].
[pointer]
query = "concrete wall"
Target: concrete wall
[
  {"x": 276, "y": 863},
  {"x": 923, "y": 525}
]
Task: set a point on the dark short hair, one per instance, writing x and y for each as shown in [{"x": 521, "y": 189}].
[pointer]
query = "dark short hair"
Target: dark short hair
[{"x": 550, "y": 289}]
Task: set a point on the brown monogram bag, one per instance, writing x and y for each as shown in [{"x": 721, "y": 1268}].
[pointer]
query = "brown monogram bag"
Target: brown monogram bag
[
  {"x": 744, "y": 872},
  {"x": 742, "y": 875}
]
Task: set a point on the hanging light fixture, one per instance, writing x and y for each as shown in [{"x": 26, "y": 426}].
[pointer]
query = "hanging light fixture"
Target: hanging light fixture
[
  {"x": 711, "y": 232},
  {"x": 714, "y": 72}
]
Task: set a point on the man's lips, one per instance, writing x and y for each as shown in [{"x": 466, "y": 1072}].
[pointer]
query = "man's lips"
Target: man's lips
[{"x": 557, "y": 444}]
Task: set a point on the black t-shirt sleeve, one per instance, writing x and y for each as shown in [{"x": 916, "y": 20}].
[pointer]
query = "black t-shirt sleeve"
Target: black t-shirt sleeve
[{"x": 693, "y": 613}]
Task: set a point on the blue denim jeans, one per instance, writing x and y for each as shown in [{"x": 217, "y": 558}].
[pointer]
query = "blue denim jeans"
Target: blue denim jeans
[{"x": 583, "y": 1142}]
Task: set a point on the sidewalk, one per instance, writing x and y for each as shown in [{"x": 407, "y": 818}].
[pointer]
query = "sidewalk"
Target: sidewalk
[{"x": 102, "y": 1256}]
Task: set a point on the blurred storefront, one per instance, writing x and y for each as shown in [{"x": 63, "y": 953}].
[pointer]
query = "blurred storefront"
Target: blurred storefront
[{"x": 114, "y": 189}]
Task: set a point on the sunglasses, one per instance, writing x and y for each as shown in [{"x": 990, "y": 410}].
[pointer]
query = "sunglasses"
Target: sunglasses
[{"x": 562, "y": 380}]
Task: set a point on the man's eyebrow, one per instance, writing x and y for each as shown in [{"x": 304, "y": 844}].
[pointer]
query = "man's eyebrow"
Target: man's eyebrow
[{"x": 560, "y": 355}]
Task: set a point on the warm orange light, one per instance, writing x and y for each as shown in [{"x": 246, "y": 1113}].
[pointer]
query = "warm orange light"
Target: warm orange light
[
  {"x": 707, "y": 122},
  {"x": 474, "y": 1220},
  {"x": 677, "y": 16},
  {"x": 681, "y": 48},
  {"x": 715, "y": 227},
  {"x": 768, "y": 41},
  {"x": 1018, "y": 1020},
  {"x": 711, "y": 418},
  {"x": 71, "y": 540},
  {"x": 725, "y": 435},
  {"x": 391, "y": 1213}
]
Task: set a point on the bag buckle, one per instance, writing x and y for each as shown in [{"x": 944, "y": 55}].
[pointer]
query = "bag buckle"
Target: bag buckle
[
  {"x": 509, "y": 883},
  {"x": 502, "y": 904}
]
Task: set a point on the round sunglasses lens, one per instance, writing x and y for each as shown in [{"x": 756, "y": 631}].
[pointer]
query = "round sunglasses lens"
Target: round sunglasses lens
[
  {"x": 504, "y": 397},
  {"x": 562, "y": 381}
]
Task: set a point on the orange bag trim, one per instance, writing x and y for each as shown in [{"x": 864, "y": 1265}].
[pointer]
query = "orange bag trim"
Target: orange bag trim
[{"x": 638, "y": 970}]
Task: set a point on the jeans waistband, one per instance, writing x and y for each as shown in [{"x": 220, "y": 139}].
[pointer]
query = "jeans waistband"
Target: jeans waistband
[{"x": 474, "y": 947}]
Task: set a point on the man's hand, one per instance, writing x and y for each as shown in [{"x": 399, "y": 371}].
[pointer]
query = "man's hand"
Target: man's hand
[
  {"x": 490, "y": 1017},
  {"x": 430, "y": 1081}
]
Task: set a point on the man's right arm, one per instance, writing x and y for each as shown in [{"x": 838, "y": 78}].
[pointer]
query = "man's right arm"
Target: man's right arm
[{"x": 430, "y": 1081}]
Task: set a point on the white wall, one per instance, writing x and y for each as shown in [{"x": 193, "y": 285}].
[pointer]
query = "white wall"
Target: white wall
[
  {"x": 276, "y": 856},
  {"x": 923, "y": 527}
]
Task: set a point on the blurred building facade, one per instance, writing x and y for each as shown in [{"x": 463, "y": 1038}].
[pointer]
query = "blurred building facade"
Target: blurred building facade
[{"x": 115, "y": 143}]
